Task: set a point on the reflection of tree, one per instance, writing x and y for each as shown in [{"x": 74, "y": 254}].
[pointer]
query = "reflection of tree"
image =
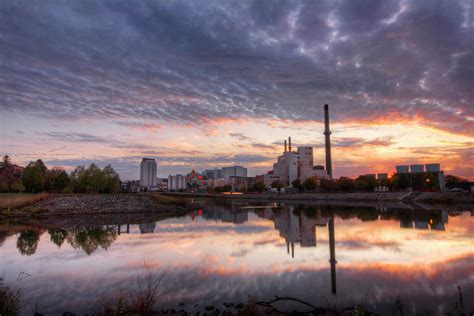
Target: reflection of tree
[
  {"x": 27, "y": 242},
  {"x": 57, "y": 235},
  {"x": 89, "y": 239}
]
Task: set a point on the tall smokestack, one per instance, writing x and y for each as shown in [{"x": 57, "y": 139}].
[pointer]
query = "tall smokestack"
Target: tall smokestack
[
  {"x": 289, "y": 143},
  {"x": 327, "y": 133},
  {"x": 285, "y": 146}
]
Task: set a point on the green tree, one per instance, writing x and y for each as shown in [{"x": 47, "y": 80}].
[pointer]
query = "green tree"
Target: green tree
[
  {"x": 297, "y": 184},
  {"x": 366, "y": 183},
  {"x": 259, "y": 187},
  {"x": 345, "y": 184},
  {"x": 277, "y": 185},
  {"x": 7, "y": 179},
  {"x": 451, "y": 179},
  {"x": 112, "y": 179},
  {"x": 34, "y": 176},
  {"x": 6, "y": 163},
  {"x": 60, "y": 181},
  {"x": 226, "y": 188},
  {"x": 75, "y": 180},
  {"x": 327, "y": 185},
  {"x": 310, "y": 184}
]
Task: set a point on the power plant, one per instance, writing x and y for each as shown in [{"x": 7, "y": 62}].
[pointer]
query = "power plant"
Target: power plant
[{"x": 327, "y": 133}]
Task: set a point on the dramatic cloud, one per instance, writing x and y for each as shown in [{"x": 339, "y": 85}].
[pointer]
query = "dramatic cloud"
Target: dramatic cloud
[{"x": 182, "y": 61}]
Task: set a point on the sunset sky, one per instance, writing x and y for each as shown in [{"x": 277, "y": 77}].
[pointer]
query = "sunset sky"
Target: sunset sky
[{"x": 206, "y": 84}]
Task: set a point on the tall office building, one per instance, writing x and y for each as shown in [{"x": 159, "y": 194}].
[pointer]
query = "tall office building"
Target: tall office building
[{"x": 148, "y": 173}]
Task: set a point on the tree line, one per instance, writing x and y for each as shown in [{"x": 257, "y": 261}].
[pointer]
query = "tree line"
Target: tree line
[{"x": 36, "y": 178}]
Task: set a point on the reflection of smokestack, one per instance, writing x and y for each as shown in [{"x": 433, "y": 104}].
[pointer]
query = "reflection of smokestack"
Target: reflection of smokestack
[
  {"x": 327, "y": 133},
  {"x": 289, "y": 143},
  {"x": 285, "y": 146},
  {"x": 332, "y": 252}
]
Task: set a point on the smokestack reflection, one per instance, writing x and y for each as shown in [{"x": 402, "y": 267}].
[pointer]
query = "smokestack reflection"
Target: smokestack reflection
[{"x": 332, "y": 252}]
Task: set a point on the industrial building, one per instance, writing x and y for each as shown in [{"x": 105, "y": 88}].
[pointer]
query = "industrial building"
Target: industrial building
[
  {"x": 148, "y": 173},
  {"x": 294, "y": 165},
  {"x": 423, "y": 177}
]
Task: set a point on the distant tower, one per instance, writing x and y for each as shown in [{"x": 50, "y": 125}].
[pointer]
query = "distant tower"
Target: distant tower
[
  {"x": 327, "y": 133},
  {"x": 148, "y": 173}
]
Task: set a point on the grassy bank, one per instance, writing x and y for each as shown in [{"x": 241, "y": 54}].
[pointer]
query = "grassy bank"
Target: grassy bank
[
  {"x": 10, "y": 201},
  {"x": 167, "y": 199}
]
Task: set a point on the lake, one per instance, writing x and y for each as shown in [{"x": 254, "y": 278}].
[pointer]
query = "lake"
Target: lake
[{"x": 223, "y": 252}]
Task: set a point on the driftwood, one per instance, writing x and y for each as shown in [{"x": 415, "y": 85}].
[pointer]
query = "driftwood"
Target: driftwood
[{"x": 314, "y": 309}]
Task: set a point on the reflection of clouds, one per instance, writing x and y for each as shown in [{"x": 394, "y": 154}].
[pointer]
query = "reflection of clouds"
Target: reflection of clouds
[
  {"x": 211, "y": 262},
  {"x": 213, "y": 285}
]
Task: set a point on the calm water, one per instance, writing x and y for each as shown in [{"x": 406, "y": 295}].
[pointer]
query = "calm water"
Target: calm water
[{"x": 220, "y": 253}]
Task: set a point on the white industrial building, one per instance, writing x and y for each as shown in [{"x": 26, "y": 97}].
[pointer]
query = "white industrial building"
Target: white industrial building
[
  {"x": 177, "y": 182},
  {"x": 148, "y": 173},
  {"x": 293, "y": 165}
]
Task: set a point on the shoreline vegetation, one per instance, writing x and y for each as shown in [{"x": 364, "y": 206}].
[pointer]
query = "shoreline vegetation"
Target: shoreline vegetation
[{"x": 144, "y": 299}]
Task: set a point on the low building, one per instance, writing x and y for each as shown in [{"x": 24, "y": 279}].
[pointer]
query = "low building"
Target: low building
[
  {"x": 241, "y": 183},
  {"x": 177, "y": 182},
  {"x": 421, "y": 179},
  {"x": 130, "y": 186}
]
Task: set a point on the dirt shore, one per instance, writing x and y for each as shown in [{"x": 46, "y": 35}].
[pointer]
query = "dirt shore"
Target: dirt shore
[{"x": 94, "y": 209}]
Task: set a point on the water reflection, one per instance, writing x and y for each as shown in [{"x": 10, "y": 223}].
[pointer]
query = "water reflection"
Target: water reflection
[
  {"x": 296, "y": 224},
  {"x": 27, "y": 242},
  {"x": 221, "y": 251}
]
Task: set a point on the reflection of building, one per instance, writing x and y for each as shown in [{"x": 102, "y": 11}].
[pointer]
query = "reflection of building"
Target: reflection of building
[
  {"x": 302, "y": 229},
  {"x": 424, "y": 219},
  {"x": 234, "y": 217},
  {"x": 298, "y": 229},
  {"x": 147, "y": 228},
  {"x": 227, "y": 214},
  {"x": 148, "y": 173}
]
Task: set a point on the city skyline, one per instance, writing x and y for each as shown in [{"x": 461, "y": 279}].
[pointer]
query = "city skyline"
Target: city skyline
[{"x": 204, "y": 85}]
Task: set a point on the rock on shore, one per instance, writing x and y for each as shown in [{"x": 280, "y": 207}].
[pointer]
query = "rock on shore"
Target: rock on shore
[{"x": 99, "y": 203}]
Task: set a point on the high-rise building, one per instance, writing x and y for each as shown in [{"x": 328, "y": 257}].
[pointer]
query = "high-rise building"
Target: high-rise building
[{"x": 148, "y": 173}]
